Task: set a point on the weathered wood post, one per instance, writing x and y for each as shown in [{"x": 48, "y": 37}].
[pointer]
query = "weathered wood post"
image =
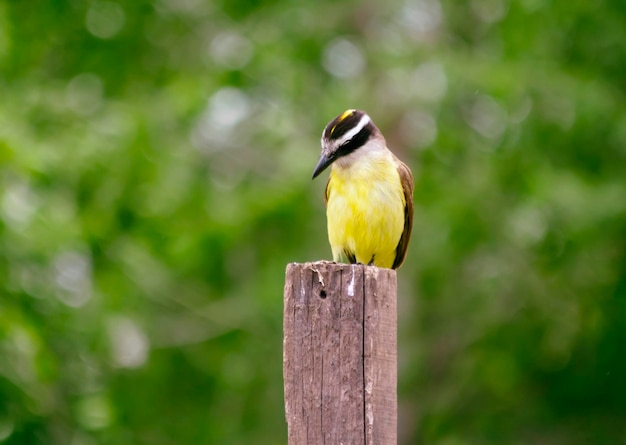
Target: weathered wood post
[{"x": 340, "y": 354}]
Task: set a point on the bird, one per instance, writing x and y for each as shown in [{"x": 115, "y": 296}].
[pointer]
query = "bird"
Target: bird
[{"x": 368, "y": 196}]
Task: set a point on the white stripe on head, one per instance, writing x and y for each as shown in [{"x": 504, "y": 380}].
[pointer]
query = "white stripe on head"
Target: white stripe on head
[{"x": 352, "y": 133}]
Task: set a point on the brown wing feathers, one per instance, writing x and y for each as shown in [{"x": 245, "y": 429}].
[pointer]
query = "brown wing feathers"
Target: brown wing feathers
[{"x": 406, "y": 179}]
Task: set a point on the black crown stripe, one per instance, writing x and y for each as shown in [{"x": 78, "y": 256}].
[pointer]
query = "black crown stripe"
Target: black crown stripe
[{"x": 341, "y": 125}]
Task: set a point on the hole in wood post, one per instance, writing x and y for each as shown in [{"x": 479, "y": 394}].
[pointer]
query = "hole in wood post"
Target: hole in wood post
[{"x": 322, "y": 294}]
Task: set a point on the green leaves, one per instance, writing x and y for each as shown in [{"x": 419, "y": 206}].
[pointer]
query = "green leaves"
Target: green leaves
[{"x": 154, "y": 182}]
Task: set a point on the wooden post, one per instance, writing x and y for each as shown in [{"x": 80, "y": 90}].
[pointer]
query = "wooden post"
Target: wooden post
[{"x": 340, "y": 354}]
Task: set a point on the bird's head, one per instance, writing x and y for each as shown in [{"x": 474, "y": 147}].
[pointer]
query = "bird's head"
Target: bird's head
[{"x": 343, "y": 135}]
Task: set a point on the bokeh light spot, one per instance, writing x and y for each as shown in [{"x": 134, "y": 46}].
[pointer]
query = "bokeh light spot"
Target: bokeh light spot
[
  {"x": 105, "y": 19},
  {"x": 84, "y": 93},
  {"x": 231, "y": 50},
  {"x": 343, "y": 59},
  {"x": 129, "y": 344},
  {"x": 214, "y": 129},
  {"x": 73, "y": 276},
  {"x": 430, "y": 82},
  {"x": 418, "y": 129},
  {"x": 421, "y": 17},
  {"x": 18, "y": 205},
  {"x": 94, "y": 412},
  {"x": 487, "y": 117}
]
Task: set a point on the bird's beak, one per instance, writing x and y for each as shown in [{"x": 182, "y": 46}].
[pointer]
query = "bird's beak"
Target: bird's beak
[{"x": 322, "y": 164}]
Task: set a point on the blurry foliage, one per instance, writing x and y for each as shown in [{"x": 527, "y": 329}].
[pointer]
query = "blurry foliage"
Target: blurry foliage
[{"x": 155, "y": 162}]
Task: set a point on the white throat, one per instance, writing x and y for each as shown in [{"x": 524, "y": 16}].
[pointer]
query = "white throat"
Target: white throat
[{"x": 373, "y": 149}]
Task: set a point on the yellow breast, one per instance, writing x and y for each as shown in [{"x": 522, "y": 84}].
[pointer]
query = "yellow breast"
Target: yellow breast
[{"x": 365, "y": 211}]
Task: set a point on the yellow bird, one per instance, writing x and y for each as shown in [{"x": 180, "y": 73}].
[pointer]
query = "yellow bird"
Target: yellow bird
[{"x": 369, "y": 194}]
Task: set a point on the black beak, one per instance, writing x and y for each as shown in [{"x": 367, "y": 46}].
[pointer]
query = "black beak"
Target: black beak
[{"x": 322, "y": 164}]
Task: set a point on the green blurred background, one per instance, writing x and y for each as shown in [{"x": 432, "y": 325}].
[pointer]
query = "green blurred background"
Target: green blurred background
[{"x": 155, "y": 165}]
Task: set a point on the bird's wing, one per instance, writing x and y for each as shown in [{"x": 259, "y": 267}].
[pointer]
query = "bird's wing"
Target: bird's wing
[
  {"x": 406, "y": 179},
  {"x": 326, "y": 191}
]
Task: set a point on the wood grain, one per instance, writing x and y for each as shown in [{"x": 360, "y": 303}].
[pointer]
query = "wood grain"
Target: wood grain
[{"x": 340, "y": 354}]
